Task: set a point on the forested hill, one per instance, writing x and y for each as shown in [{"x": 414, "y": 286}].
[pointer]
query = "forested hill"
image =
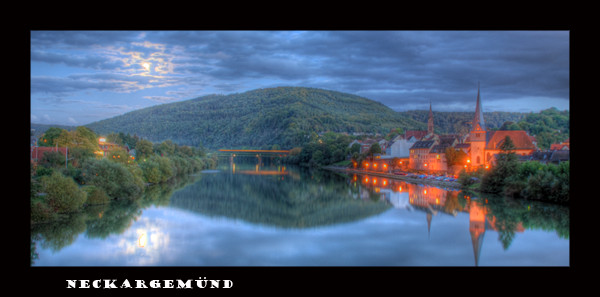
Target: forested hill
[
  {"x": 261, "y": 118},
  {"x": 460, "y": 122}
]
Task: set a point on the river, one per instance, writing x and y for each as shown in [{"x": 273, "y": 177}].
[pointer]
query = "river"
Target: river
[{"x": 277, "y": 215}]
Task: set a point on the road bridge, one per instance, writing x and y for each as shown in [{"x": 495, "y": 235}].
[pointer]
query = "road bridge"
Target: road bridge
[{"x": 257, "y": 153}]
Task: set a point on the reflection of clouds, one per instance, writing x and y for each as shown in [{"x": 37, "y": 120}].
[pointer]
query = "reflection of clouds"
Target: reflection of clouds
[{"x": 394, "y": 238}]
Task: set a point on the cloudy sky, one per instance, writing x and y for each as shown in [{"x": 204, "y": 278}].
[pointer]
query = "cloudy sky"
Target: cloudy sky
[{"x": 78, "y": 77}]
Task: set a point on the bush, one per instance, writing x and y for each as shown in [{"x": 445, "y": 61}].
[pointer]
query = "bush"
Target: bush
[
  {"x": 96, "y": 195},
  {"x": 62, "y": 193},
  {"x": 114, "y": 178},
  {"x": 41, "y": 212}
]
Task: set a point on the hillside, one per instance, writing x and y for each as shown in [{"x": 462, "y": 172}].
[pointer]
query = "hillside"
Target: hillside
[
  {"x": 460, "y": 122},
  {"x": 260, "y": 118}
]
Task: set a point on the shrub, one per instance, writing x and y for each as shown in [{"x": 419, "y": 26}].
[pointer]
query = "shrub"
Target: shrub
[
  {"x": 112, "y": 177},
  {"x": 96, "y": 195},
  {"x": 41, "y": 212},
  {"x": 62, "y": 193}
]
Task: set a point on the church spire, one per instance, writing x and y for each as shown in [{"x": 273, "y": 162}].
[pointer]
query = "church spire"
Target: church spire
[
  {"x": 478, "y": 123},
  {"x": 430, "y": 120}
]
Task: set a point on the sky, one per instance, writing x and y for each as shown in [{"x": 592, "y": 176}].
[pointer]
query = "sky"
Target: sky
[{"x": 78, "y": 77}]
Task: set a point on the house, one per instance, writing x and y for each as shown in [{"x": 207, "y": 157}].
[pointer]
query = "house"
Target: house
[
  {"x": 555, "y": 157},
  {"x": 523, "y": 143},
  {"x": 563, "y": 146},
  {"x": 399, "y": 147},
  {"x": 420, "y": 158},
  {"x": 479, "y": 144},
  {"x": 37, "y": 152}
]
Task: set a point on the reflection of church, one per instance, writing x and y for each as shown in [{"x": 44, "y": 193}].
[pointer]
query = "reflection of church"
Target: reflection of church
[{"x": 433, "y": 200}]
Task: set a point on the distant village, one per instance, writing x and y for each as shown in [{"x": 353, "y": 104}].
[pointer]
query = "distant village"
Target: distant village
[{"x": 425, "y": 151}]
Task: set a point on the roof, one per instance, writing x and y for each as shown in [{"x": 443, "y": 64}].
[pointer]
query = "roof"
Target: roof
[
  {"x": 547, "y": 156},
  {"x": 559, "y": 146},
  {"x": 417, "y": 134},
  {"x": 478, "y": 123},
  {"x": 39, "y": 151},
  {"x": 558, "y": 156},
  {"x": 439, "y": 149},
  {"x": 422, "y": 144},
  {"x": 519, "y": 138}
]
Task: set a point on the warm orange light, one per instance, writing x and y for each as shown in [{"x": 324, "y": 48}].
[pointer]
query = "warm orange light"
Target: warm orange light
[
  {"x": 384, "y": 165},
  {"x": 367, "y": 180},
  {"x": 425, "y": 165},
  {"x": 425, "y": 192},
  {"x": 400, "y": 189},
  {"x": 374, "y": 165},
  {"x": 468, "y": 160},
  {"x": 142, "y": 240},
  {"x": 374, "y": 181},
  {"x": 385, "y": 182}
]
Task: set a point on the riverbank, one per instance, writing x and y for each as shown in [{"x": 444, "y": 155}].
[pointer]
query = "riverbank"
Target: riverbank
[{"x": 444, "y": 184}]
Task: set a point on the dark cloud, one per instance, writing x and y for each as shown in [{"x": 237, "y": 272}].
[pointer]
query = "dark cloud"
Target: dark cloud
[{"x": 402, "y": 69}]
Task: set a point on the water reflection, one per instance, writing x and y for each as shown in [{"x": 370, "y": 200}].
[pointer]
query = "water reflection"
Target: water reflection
[
  {"x": 276, "y": 196},
  {"x": 289, "y": 201},
  {"x": 503, "y": 215}
]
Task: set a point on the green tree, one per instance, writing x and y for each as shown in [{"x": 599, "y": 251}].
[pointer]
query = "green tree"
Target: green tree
[
  {"x": 49, "y": 137},
  {"x": 112, "y": 177},
  {"x": 375, "y": 149},
  {"x": 143, "y": 149},
  {"x": 507, "y": 165},
  {"x": 62, "y": 193}
]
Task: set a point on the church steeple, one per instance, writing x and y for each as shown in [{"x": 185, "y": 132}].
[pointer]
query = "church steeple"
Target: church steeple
[
  {"x": 478, "y": 123},
  {"x": 430, "y": 120}
]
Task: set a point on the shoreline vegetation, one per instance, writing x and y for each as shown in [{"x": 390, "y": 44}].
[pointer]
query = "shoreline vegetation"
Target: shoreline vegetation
[{"x": 60, "y": 185}]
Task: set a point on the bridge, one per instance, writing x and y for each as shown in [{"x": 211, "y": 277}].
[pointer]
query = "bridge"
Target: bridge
[{"x": 256, "y": 153}]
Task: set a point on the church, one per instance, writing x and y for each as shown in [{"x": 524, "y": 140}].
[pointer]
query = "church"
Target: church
[{"x": 480, "y": 144}]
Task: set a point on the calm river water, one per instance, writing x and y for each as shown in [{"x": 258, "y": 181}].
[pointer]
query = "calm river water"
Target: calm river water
[{"x": 246, "y": 215}]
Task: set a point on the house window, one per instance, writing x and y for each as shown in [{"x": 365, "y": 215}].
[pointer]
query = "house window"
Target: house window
[{"x": 478, "y": 160}]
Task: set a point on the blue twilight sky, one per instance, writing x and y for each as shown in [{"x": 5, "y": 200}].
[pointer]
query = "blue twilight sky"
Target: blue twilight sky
[{"x": 78, "y": 77}]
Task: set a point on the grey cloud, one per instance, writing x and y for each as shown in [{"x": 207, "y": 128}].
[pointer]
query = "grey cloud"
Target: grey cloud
[{"x": 394, "y": 67}]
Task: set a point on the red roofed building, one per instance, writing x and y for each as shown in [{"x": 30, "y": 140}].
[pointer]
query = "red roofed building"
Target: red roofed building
[
  {"x": 563, "y": 146},
  {"x": 37, "y": 152},
  {"x": 484, "y": 145},
  {"x": 524, "y": 144},
  {"x": 418, "y": 135}
]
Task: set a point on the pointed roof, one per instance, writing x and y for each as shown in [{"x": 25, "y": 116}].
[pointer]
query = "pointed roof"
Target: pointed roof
[
  {"x": 478, "y": 123},
  {"x": 430, "y": 112}
]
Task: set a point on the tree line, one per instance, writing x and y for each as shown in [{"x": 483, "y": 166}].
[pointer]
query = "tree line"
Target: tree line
[
  {"x": 60, "y": 186},
  {"x": 530, "y": 180}
]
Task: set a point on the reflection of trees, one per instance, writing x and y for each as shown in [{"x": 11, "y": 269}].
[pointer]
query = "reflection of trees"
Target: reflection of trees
[
  {"x": 57, "y": 235},
  {"x": 115, "y": 220},
  {"x": 100, "y": 221},
  {"x": 508, "y": 213},
  {"x": 320, "y": 198}
]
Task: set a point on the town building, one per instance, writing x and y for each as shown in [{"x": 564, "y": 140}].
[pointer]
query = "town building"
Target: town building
[
  {"x": 481, "y": 145},
  {"x": 485, "y": 145}
]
